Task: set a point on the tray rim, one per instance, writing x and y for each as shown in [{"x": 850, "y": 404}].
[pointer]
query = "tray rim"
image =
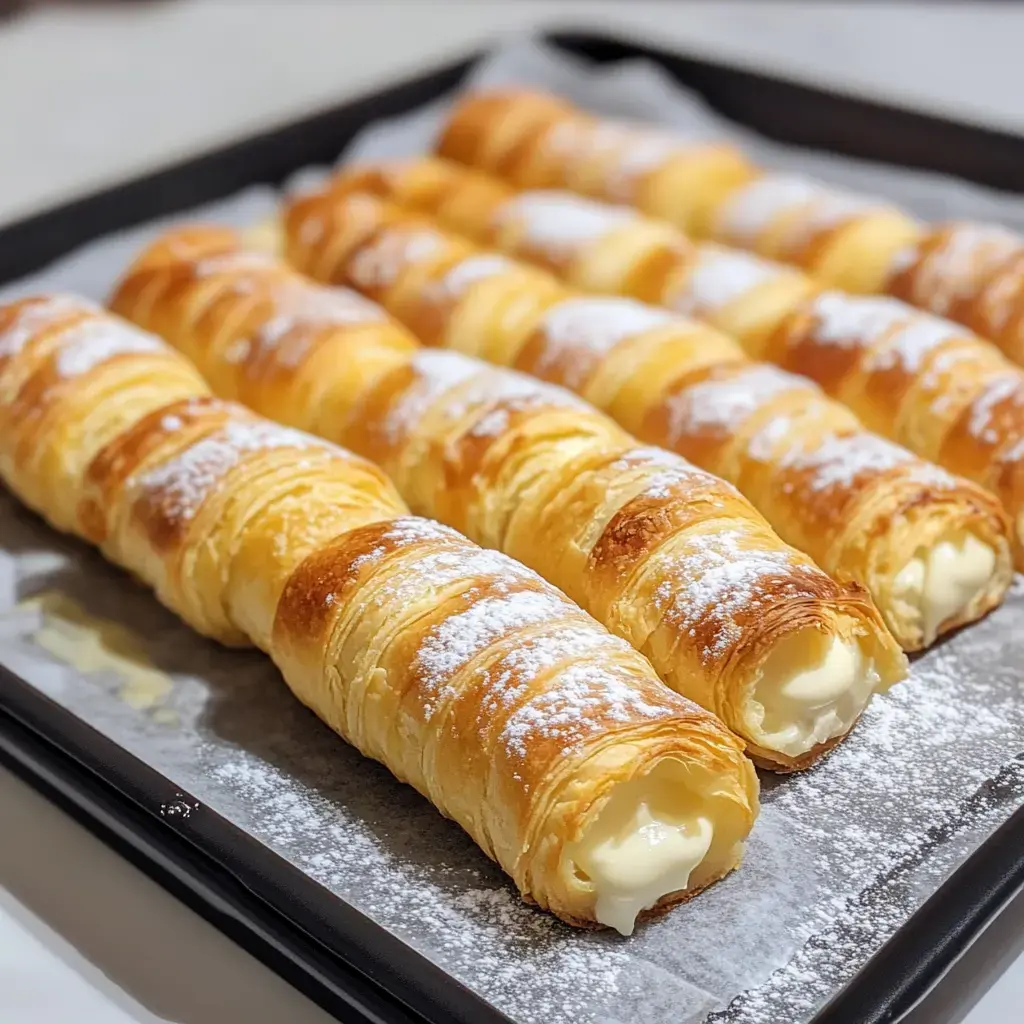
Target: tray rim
[{"x": 878, "y": 993}]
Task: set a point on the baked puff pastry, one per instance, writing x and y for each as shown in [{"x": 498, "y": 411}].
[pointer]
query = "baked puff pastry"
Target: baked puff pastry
[
  {"x": 861, "y": 506},
  {"x": 706, "y": 189},
  {"x": 667, "y": 556},
  {"x": 971, "y": 273},
  {"x": 602, "y": 793},
  {"x": 537, "y": 141},
  {"x": 923, "y": 381}
]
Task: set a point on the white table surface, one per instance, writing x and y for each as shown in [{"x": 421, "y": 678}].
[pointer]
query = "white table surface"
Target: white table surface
[{"x": 90, "y": 96}]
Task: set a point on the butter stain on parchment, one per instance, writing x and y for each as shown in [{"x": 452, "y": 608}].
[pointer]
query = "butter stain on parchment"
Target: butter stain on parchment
[{"x": 92, "y": 645}]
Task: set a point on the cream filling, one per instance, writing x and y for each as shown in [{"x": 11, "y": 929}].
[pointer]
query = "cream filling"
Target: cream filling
[
  {"x": 645, "y": 843},
  {"x": 811, "y": 688},
  {"x": 939, "y": 583}
]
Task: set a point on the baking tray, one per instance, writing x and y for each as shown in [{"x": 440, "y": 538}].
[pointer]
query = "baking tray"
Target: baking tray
[{"x": 338, "y": 956}]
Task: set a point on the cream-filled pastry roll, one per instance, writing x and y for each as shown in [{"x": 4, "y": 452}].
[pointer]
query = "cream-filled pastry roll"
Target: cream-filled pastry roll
[
  {"x": 860, "y": 505},
  {"x": 603, "y": 794},
  {"x": 666, "y": 555}
]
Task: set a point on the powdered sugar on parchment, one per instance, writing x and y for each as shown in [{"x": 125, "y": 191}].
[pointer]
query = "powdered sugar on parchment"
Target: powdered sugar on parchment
[{"x": 461, "y": 912}]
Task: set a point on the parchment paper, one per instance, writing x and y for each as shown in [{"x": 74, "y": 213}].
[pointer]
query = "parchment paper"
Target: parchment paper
[{"x": 839, "y": 858}]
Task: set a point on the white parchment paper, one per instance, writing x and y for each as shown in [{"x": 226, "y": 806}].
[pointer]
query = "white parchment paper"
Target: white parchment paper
[{"x": 840, "y": 857}]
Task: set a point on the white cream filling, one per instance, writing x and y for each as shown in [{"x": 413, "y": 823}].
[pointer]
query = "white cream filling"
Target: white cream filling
[
  {"x": 939, "y": 583},
  {"x": 645, "y": 843},
  {"x": 810, "y": 689}
]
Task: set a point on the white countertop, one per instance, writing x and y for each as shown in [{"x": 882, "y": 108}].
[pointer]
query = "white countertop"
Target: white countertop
[{"x": 90, "y": 96}]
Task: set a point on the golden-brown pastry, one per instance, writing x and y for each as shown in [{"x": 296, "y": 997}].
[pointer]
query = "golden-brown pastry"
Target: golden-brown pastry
[
  {"x": 600, "y": 791},
  {"x": 974, "y": 274},
  {"x": 669, "y": 557},
  {"x": 69, "y": 382},
  {"x": 707, "y": 189},
  {"x": 971, "y": 273},
  {"x": 932, "y": 549},
  {"x": 844, "y": 240},
  {"x": 923, "y": 381},
  {"x": 537, "y": 141}
]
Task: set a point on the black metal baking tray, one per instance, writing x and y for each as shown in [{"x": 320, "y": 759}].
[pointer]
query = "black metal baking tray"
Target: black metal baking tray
[{"x": 337, "y": 956}]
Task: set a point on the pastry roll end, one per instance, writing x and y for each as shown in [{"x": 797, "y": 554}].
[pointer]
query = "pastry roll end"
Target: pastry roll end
[
  {"x": 657, "y": 837},
  {"x": 810, "y": 692}
]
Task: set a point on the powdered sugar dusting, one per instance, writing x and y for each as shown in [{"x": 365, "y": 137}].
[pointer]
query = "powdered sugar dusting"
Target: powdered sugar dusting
[
  {"x": 380, "y": 263},
  {"x": 36, "y": 316},
  {"x": 643, "y": 151},
  {"x": 853, "y": 321},
  {"x": 828, "y": 211},
  {"x": 436, "y": 372},
  {"x": 439, "y": 569},
  {"x": 666, "y": 471},
  {"x": 185, "y": 481},
  {"x": 753, "y": 207},
  {"x": 725, "y": 405},
  {"x": 93, "y": 342},
  {"x": 763, "y": 444},
  {"x": 625, "y": 151},
  {"x": 720, "y": 277},
  {"x": 594, "y": 326},
  {"x": 913, "y": 343},
  {"x": 999, "y": 390},
  {"x": 234, "y": 262},
  {"x": 452, "y": 644},
  {"x": 577, "y": 705},
  {"x": 560, "y": 225},
  {"x": 300, "y": 304},
  {"x": 460, "y": 278},
  {"x": 839, "y": 461},
  {"x": 954, "y": 269},
  {"x": 724, "y": 578}
]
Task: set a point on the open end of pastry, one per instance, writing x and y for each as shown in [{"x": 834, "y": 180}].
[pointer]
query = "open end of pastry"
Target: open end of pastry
[
  {"x": 666, "y": 832},
  {"x": 941, "y": 583},
  {"x": 811, "y": 688}
]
